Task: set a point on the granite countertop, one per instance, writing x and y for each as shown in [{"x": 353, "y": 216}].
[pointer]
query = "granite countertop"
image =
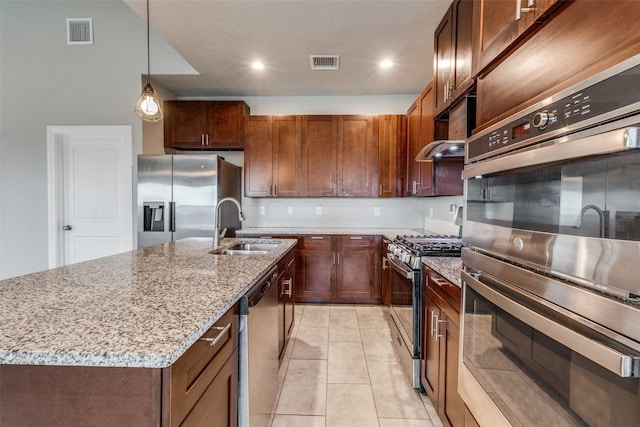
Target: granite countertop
[
  {"x": 143, "y": 308},
  {"x": 389, "y": 233},
  {"x": 447, "y": 267}
]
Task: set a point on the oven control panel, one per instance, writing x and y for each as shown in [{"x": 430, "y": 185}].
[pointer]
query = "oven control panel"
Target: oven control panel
[{"x": 576, "y": 108}]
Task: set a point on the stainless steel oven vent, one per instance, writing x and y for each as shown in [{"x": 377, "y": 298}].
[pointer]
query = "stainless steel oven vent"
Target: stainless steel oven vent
[
  {"x": 325, "y": 62},
  {"x": 79, "y": 31}
]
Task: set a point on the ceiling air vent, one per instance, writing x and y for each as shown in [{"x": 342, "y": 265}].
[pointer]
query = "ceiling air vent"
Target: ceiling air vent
[
  {"x": 79, "y": 31},
  {"x": 325, "y": 62}
]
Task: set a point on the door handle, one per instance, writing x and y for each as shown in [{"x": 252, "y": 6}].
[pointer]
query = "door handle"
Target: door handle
[{"x": 67, "y": 228}]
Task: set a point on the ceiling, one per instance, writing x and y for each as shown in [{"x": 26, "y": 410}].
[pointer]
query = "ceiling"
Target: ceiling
[{"x": 221, "y": 39}]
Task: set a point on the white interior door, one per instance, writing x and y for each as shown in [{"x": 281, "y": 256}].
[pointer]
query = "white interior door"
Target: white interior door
[{"x": 95, "y": 193}]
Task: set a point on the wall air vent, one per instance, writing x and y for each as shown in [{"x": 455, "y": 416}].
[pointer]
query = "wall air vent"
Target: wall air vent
[
  {"x": 325, "y": 62},
  {"x": 79, "y": 31}
]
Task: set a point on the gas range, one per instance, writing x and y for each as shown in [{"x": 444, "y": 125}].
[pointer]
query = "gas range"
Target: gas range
[{"x": 409, "y": 249}]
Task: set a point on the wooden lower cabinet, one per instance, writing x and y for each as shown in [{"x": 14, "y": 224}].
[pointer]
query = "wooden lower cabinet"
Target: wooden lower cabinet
[
  {"x": 286, "y": 303},
  {"x": 339, "y": 269},
  {"x": 200, "y": 388},
  {"x": 441, "y": 344}
]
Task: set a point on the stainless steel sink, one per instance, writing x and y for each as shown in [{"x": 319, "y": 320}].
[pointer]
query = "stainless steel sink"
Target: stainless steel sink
[{"x": 248, "y": 248}]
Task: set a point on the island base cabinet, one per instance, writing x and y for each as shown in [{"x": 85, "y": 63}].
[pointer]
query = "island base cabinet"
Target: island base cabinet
[
  {"x": 79, "y": 396},
  {"x": 218, "y": 405}
]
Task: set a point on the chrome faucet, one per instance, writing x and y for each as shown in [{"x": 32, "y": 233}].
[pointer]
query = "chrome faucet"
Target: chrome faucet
[
  {"x": 604, "y": 219},
  {"x": 216, "y": 231}
]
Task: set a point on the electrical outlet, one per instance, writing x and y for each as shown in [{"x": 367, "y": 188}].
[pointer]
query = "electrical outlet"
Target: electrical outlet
[
  {"x": 431, "y": 212},
  {"x": 453, "y": 208},
  {"x": 318, "y": 210},
  {"x": 376, "y": 211},
  {"x": 290, "y": 210},
  {"x": 262, "y": 210}
]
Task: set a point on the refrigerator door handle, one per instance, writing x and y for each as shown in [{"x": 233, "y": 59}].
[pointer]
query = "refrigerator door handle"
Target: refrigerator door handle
[{"x": 172, "y": 216}]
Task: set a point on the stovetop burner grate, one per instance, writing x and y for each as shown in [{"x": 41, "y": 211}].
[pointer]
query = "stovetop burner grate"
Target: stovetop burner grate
[{"x": 431, "y": 245}]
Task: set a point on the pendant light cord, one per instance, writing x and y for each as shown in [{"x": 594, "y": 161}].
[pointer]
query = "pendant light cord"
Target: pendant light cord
[{"x": 148, "y": 48}]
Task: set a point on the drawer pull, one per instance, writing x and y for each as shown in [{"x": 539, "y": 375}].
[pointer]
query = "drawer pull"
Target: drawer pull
[
  {"x": 317, "y": 238},
  {"x": 356, "y": 238},
  {"x": 223, "y": 330}
]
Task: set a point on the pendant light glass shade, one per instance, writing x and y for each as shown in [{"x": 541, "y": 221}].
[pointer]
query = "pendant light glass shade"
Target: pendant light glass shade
[{"x": 148, "y": 106}]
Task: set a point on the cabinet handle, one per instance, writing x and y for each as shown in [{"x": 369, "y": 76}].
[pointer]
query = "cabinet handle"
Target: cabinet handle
[
  {"x": 415, "y": 186},
  {"x": 356, "y": 238},
  {"x": 202, "y": 139},
  {"x": 338, "y": 258},
  {"x": 433, "y": 322},
  {"x": 289, "y": 283},
  {"x": 519, "y": 9},
  {"x": 207, "y": 140},
  {"x": 317, "y": 238},
  {"x": 275, "y": 190},
  {"x": 333, "y": 258},
  {"x": 384, "y": 263},
  {"x": 380, "y": 192},
  {"x": 438, "y": 336},
  {"x": 271, "y": 190},
  {"x": 223, "y": 330}
]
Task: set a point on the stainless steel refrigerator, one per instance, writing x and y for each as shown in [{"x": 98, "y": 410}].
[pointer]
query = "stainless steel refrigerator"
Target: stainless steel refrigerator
[{"x": 177, "y": 196}]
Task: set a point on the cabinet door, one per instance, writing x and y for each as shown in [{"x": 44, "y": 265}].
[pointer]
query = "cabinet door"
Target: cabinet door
[
  {"x": 443, "y": 67},
  {"x": 431, "y": 351},
  {"x": 218, "y": 406},
  {"x": 316, "y": 275},
  {"x": 448, "y": 177},
  {"x": 413, "y": 148},
  {"x": 452, "y": 404},
  {"x": 357, "y": 265},
  {"x": 289, "y": 292},
  {"x": 357, "y": 156},
  {"x": 287, "y": 151},
  {"x": 462, "y": 46},
  {"x": 225, "y": 124},
  {"x": 185, "y": 124},
  {"x": 319, "y": 155},
  {"x": 258, "y": 156},
  {"x": 495, "y": 26},
  {"x": 427, "y": 135},
  {"x": 392, "y": 139}
]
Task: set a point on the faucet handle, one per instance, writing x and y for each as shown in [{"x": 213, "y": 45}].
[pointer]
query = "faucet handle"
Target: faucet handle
[{"x": 223, "y": 233}]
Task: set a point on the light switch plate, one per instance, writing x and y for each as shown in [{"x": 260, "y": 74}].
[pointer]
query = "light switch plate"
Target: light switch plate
[
  {"x": 262, "y": 210},
  {"x": 318, "y": 210},
  {"x": 376, "y": 211},
  {"x": 290, "y": 210}
]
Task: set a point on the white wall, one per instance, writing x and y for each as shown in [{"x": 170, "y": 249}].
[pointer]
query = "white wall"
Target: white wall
[{"x": 45, "y": 82}]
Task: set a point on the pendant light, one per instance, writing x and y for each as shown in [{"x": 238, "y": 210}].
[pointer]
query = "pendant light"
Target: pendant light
[{"x": 148, "y": 106}]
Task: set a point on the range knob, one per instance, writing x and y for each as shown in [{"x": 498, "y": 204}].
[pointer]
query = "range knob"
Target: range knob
[{"x": 541, "y": 119}]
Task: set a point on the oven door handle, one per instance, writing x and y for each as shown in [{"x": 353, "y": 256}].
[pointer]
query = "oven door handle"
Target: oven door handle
[
  {"x": 402, "y": 269},
  {"x": 624, "y": 365}
]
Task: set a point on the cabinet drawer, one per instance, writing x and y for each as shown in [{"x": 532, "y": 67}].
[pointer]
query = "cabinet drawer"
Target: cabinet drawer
[
  {"x": 316, "y": 242},
  {"x": 188, "y": 378},
  {"x": 356, "y": 242}
]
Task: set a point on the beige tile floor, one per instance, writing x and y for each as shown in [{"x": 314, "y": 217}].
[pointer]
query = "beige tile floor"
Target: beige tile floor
[{"x": 340, "y": 369}]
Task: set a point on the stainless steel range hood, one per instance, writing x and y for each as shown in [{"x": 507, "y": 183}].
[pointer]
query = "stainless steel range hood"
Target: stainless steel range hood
[{"x": 440, "y": 149}]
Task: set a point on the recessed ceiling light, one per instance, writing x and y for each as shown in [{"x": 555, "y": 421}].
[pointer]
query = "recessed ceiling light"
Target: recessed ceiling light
[
  {"x": 387, "y": 63},
  {"x": 257, "y": 65}
]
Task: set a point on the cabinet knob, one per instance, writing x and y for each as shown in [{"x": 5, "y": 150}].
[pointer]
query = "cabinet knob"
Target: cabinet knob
[{"x": 67, "y": 228}]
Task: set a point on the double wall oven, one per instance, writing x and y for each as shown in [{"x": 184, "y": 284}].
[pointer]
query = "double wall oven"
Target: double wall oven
[
  {"x": 551, "y": 288},
  {"x": 403, "y": 258}
]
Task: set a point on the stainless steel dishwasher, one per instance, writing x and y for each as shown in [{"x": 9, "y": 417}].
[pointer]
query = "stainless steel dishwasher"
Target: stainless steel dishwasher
[{"x": 259, "y": 353}]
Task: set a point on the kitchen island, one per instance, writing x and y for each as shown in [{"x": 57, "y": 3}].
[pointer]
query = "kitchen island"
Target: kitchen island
[{"x": 117, "y": 323}]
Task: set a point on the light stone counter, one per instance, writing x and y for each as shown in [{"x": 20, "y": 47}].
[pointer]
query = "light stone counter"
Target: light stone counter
[
  {"x": 389, "y": 233},
  {"x": 447, "y": 267},
  {"x": 143, "y": 308}
]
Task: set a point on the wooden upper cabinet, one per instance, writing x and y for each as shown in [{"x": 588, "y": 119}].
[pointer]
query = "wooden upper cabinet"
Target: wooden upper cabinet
[
  {"x": 499, "y": 24},
  {"x": 287, "y": 152},
  {"x": 413, "y": 148},
  {"x": 452, "y": 59},
  {"x": 357, "y": 167},
  {"x": 427, "y": 135},
  {"x": 319, "y": 155},
  {"x": 392, "y": 146},
  {"x": 204, "y": 125},
  {"x": 258, "y": 156}
]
